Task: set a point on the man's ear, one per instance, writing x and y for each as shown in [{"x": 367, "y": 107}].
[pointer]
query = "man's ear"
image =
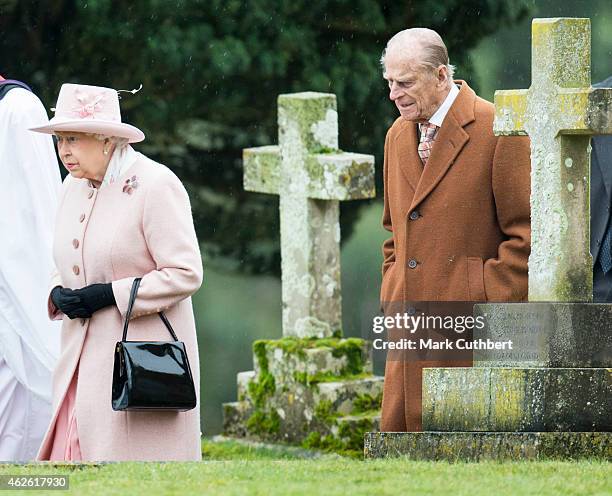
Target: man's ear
[{"x": 442, "y": 74}]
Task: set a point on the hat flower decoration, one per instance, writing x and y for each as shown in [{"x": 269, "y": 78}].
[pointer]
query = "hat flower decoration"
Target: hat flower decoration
[{"x": 89, "y": 104}]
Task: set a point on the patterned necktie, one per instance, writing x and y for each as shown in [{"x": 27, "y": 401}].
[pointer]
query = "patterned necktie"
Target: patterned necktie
[
  {"x": 605, "y": 256},
  {"x": 428, "y": 135}
]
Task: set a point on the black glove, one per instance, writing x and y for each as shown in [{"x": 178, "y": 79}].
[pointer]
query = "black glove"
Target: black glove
[{"x": 82, "y": 303}]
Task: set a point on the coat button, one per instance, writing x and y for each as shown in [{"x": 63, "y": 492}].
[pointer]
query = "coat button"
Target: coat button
[
  {"x": 412, "y": 263},
  {"x": 82, "y": 218},
  {"x": 75, "y": 243},
  {"x": 414, "y": 215},
  {"x": 90, "y": 194},
  {"x": 411, "y": 311},
  {"x": 76, "y": 270}
]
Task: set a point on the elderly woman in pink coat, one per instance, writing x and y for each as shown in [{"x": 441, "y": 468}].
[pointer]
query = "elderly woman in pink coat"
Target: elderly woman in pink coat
[{"x": 121, "y": 216}]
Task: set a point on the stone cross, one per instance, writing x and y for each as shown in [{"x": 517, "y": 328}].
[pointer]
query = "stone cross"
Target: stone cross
[
  {"x": 560, "y": 112},
  {"x": 310, "y": 175}
]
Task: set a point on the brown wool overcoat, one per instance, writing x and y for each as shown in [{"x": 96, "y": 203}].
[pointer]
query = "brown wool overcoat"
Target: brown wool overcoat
[{"x": 460, "y": 228}]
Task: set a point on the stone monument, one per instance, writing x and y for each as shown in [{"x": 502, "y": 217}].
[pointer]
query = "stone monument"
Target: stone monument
[
  {"x": 552, "y": 396},
  {"x": 311, "y": 386}
]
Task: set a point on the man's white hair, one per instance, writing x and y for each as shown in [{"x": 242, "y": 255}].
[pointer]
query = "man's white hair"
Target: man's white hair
[{"x": 427, "y": 43}]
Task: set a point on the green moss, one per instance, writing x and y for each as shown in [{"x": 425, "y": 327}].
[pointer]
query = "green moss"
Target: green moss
[
  {"x": 329, "y": 443},
  {"x": 290, "y": 345},
  {"x": 265, "y": 385},
  {"x": 262, "y": 389},
  {"x": 367, "y": 402},
  {"x": 352, "y": 433},
  {"x": 351, "y": 348},
  {"x": 301, "y": 377},
  {"x": 325, "y": 413},
  {"x": 311, "y": 379},
  {"x": 259, "y": 350},
  {"x": 331, "y": 377},
  {"x": 367, "y": 413},
  {"x": 263, "y": 423},
  {"x": 326, "y": 149}
]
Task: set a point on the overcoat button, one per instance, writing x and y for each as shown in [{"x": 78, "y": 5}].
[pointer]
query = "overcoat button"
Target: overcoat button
[
  {"x": 76, "y": 270},
  {"x": 411, "y": 311},
  {"x": 414, "y": 215},
  {"x": 75, "y": 243},
  {"x": 412, "y": 263},
  {"x": 90, "y": 194},
  {"x": 82, "y": 218}
]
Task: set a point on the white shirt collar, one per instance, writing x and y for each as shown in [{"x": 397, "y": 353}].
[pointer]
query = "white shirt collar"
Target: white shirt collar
[{"x": 440, "y": 114}]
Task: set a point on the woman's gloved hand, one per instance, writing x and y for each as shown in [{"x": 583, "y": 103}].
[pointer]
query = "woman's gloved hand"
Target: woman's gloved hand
[{"x": 82, "y": 303}]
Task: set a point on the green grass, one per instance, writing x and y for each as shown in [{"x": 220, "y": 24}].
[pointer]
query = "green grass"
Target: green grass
[{"x": 231, "y": 468}]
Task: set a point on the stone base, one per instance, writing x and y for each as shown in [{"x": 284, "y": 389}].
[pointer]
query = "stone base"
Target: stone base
[
  {"x": 517, "y": 399},
  {"x": 479, "y": 446},
  {"x": 319, "y": 393}
]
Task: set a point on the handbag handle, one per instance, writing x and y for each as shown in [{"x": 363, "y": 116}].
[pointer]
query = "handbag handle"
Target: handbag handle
[{"x": 128, "y": 314}]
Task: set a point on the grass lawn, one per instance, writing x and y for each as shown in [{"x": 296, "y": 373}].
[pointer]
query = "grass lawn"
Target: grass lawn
[{"x": 230, "y": 468}]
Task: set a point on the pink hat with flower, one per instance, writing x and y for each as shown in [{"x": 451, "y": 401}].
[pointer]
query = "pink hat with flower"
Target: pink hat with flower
[{"x": 90, "y": 109}]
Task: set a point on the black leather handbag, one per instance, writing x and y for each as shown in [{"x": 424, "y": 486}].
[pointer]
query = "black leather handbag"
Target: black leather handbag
[{"x": 151, "y": 375}]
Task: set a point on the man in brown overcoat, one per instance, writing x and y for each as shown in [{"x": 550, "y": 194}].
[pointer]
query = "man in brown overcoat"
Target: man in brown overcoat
[{"x": 456, "y": 201}]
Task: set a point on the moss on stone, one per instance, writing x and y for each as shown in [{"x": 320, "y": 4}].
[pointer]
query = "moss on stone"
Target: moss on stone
[
  {"x": 348, "y": 354},
  {"x": 352, "y": 433},
  {"x": 315, "y": 440},
  {"x": 259, "y": 351},
  {"x": 263, "y": 423},
  {"x": 351, "y": 348},
  {"x": 328, "y": 150},
  {"x": 331, "y": 377},
  {"x": 262, "y": 389},
  {"x": 301, "y": 377},
  {"x": 324, "y": 412},
  {"x": 367, "y": 413},
  {"x": 264, "y": 386},
  {"x": 290, "y": 345},
  {"x": 366, "y": 402}
]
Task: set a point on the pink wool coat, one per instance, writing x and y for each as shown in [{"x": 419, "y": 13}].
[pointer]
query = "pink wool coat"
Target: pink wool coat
[{"x": 108, "y": 235}]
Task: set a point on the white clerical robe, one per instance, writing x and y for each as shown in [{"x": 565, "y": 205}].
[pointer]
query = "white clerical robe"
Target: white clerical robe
[{"x": 29, "y": 341}]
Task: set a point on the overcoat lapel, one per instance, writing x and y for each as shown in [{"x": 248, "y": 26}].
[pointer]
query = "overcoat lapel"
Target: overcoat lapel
[
  {"x": 408, "y": 155},
  {"x": 449, "y": 142}
]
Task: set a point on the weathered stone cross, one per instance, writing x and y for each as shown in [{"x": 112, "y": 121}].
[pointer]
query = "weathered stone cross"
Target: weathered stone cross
[
  {"x": 560, "y": 112},
  {"x": 310, "y": 175}
]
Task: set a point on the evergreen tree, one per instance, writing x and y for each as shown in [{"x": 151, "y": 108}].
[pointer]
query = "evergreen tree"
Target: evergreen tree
[{"x": 211, "y": 71}]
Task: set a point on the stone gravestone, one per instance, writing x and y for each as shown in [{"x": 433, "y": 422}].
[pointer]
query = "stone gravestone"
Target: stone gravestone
[
  {"x": 551, "y": 397},
  {"x": 311, "y": 386}
]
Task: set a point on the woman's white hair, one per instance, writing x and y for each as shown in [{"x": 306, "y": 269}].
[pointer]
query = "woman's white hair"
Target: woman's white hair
[
  {"x": 116, "y": 140},
  {"x": 433, "y": 52}
]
